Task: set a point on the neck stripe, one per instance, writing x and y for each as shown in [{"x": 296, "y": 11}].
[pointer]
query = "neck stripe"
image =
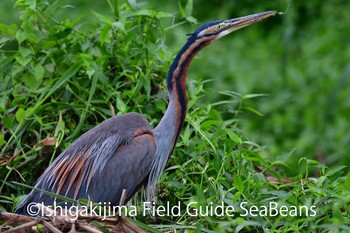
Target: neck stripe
[{"x": 179, "y": 79}]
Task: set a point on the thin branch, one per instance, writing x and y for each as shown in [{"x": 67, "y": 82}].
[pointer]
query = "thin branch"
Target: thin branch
[
  {"x": 122, "y": 198},
  {"x": 89, "y": 228},
  {"x": 23, "y": 226},
  {"x": 51, "y": 227},
  {"x": 16, "y": 217}
]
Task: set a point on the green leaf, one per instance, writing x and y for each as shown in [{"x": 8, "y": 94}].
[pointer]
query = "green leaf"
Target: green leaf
[
  {"x": 347, "y": 182},
  {"x": 63, "y": 33},
  {"x": 24, "y": 51},
  {"x": 181, "y": 9},
  {"x": 97, "y": 76},
  {"x": 236, "y": 197},
  {"x": 23, "y": 60},
  {"x": 8, "y": 30},
  {"x": 335, "y": 170},
  {"x": 200, "y": 131},
  {"x": 191, "y": 19},
  {"x": 59, "y": 130},
  {"x": 144, "y": 12},
  {"x": 238, "y": 183},
  {"x": 21, "y": 36},
  {"x": 38, "y": 72},
  {"x": 20, "y": 115},
  {"x": 251, "y": 96},
  {"x": 133, "y": 4},
  {"x": 189, "y": 8},
  {"x": 234, "y": 136},
  {"x": 164, "y": 15},
  {"x": 102, "y": 18},
  {"x": 121, "y": 105},
  {"x": 31, "y": 81},
  {"x": 119, "y": 25},
  {"x": 104, "y": 35},
  {"x": 8, "y": 122},
  {"x": 2, "y": 139},
  {"x": 279, "y": 163},
  {"x": 24, "y": 56},
  {"x": 147, "y": 86},
  {"x": 253, "y": 111},
  {"x": 176, "y": 184}
]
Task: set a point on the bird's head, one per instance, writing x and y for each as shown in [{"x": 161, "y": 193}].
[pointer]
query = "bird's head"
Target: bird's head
[
  {"x": 214, "y": 30},
  {"x": 205, "y": 35}
]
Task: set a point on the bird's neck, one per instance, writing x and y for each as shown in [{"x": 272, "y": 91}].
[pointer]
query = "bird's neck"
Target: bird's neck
[
  {"x": 171, "y": 124},
  {"x": 168, "y": 130}
]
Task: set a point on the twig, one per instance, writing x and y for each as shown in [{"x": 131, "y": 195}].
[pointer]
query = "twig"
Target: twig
[
  {"x": 16, "y": 217},
  {"x": 51, "y": 227},
  {"x": 122, "y": 198},
  {"x": 129, "y": 226},
  {"x": 112, "y": 110},
  {"x": 89, "y": 228},
  {"x": 54, "y": 216},
  {"x": 73, "y": 229},
  {"x": 23, "y": 226},
  {"x": 57, "y": 222}
]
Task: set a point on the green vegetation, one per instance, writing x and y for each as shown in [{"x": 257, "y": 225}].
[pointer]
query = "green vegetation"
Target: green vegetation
[{"x": 268, "y": 106}]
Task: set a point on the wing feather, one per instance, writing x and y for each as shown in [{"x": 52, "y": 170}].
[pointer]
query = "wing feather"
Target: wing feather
[
  {"x": 78, "y": 169},
  {"x": 115, "y": 155}
]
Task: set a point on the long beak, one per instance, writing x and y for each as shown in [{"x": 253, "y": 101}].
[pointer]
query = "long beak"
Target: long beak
[{"x": 237, "y": 23}]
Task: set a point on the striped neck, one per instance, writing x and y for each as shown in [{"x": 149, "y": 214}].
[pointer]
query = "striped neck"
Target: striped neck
[
  {"x": 176, "y": 84},
  {"x": 168, "y": 130}
]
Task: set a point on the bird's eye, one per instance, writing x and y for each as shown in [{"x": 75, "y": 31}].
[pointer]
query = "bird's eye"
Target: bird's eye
[{"x": 218, "y": 27}]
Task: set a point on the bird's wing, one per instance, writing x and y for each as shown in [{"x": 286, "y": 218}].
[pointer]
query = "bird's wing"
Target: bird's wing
[
  {"x": 99, "y": 166},
  {"x": 127, "y": 172}
]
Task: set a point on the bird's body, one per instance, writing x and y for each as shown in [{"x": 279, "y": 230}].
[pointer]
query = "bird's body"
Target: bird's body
[
  {"x": 98, "y": 156},
  {"x": 123, "y": 152}
]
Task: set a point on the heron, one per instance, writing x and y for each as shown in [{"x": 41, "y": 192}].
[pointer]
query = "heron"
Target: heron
[{"x": 123, "y": 152}]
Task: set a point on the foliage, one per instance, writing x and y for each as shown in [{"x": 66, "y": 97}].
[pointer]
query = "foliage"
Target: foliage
[
  {"x": 61, "y": 76},
  {"x": 301, "y": 62}
]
